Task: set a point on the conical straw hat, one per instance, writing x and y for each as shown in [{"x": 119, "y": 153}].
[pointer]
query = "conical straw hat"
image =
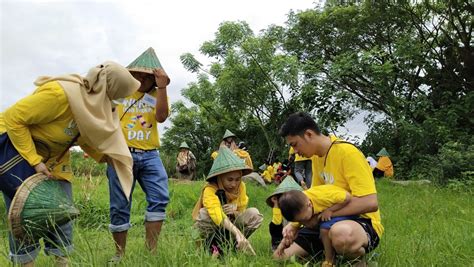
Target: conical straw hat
[
  {"x": 184, "y": 145},
  {"x": 228, "y": 134},
  {"x": 146, "y": 62},
  {"x": 39, "y": 204},
  {"x": 226, "y": 162},
  {"x": 383, "y": 152},
  {"x": 286, "y": 185}
]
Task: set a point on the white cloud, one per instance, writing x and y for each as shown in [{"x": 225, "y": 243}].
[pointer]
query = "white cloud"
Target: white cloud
[{"x": 57, "y": 37}]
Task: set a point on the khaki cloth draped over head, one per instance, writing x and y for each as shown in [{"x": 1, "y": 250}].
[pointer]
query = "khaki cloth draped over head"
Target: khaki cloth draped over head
[
  {"x": 183, "y": 157},
  {"x": 90, "y": 99}
]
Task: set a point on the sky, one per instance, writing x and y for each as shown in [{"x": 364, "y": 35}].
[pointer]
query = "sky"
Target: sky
[{"x": 60, "y": 37}]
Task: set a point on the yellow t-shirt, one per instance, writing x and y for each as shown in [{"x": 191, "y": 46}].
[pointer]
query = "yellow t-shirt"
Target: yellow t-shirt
[
  {"x": 297, "y": 156},
  {"x": 211, "y": 202},
  {"x": 277, "y": 217},
  {"x": 44, "y": 116},
  {"x": 385, "y": 164},
  {"x": 347, "y": 168},
  {"x": 139, "y": 124},
  {"x": 325, "y": 196},
  {"x": 268, "y": 173}
]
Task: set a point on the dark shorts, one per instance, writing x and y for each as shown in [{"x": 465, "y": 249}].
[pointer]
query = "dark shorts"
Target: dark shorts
[
  {"x": 309, "y": 240},
  {"x": 378, "y": 173}
]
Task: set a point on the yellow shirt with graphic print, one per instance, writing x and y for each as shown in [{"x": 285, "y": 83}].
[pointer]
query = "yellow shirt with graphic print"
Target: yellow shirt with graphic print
[
  {"x": 346, "y": 167},
  {"x": 139, "y": 125},
  {"x": 211, "y": 202},
  {"x": 43, "y": 118}
]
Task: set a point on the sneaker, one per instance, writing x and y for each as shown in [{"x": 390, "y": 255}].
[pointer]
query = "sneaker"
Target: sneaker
[{"x": 215, "y": 251}]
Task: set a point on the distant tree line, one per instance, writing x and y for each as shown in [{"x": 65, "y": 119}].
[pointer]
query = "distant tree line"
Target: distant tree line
[{"x": 409, "y": 65}]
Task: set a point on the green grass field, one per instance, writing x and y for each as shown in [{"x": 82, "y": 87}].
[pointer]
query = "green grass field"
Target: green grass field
[{"x": 424, "y": 226}]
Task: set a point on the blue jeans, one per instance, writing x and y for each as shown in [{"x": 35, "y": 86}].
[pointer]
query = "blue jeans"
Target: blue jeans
[
  {"x": 150, "y": 173},
  {"x": 58, "y": 243},
  {"x": 303, "y": 172}
]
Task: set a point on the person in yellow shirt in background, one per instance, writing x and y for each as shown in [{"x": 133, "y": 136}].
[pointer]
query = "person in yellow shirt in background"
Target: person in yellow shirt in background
[
  {"x": 310, "y": 207},
  {"x": 37, "y": 132},
  {"x": 228, "y": 140},
  {"x": 222, "y": 207},
  {"x": 341, "y": 164},
  {"x": 276, "y": 225},
  {"x": 268, "y": 173},
  {"x": 303, "y": 169},
  {"x": 384, "y": 165},
  {"x": 139, "y": 114}
]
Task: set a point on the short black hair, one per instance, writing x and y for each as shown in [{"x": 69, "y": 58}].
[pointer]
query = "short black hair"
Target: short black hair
[
  {"x": 297, "y": 123},
  {"x": 292, "y": 203}
]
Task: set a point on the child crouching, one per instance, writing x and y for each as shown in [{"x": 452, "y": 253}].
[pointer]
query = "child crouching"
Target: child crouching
[
  {"x": 310, "y": 207},
  {"x": 221, "y": 213}
]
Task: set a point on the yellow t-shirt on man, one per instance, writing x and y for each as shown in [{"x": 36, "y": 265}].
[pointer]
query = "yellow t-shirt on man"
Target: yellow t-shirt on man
[
  {"x": 347, "y": 168},
  {"x": 139, "y": 125}
]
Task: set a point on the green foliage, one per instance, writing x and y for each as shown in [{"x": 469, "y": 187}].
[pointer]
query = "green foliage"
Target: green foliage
[
  {"x": 408, "y": 65},
  {"x": 451, "y": 165},
  {"x": 82, "y": 166}
]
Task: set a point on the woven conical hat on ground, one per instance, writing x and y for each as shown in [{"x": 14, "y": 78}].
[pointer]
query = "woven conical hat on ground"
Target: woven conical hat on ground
[
  {"x": 39, "y": 204},
  {"x": 146, "y": 62},
  {"x": 286, "y": 185},
  {"x": 226, "y": 162},
  {"x": 383, "y": 152}
]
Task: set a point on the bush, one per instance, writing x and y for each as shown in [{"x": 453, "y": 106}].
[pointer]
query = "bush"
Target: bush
[
  {"x": 82, "y": 166},
  {"x": 452, "y": 165}
]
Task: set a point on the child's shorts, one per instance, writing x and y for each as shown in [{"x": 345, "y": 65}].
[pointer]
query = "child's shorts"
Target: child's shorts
[{"x": 330, "y": 223}]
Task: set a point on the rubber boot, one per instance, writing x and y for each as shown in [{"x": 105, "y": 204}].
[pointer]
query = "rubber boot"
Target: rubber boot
[
  {"x": 152, "y": 232},
  {"x": 120, "y": 239}
]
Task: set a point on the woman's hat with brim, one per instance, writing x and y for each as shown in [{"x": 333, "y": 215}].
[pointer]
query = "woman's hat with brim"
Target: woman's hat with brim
[
  {"x": 383, "y": 153},
  {"x": 226, "y": 162},
  {"x": 228, "y": 134},
  {"x": 184, "y": 145},
  {"x": 286, "y": 185},
  {"x": 39, "y": 204}
]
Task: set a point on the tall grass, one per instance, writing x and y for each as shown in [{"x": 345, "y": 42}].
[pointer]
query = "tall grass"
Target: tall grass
[{"x": 424, "y": 226}]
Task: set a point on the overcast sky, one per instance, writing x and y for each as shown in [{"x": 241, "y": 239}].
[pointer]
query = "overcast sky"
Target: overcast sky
[{"x": 58, "y": 37}]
